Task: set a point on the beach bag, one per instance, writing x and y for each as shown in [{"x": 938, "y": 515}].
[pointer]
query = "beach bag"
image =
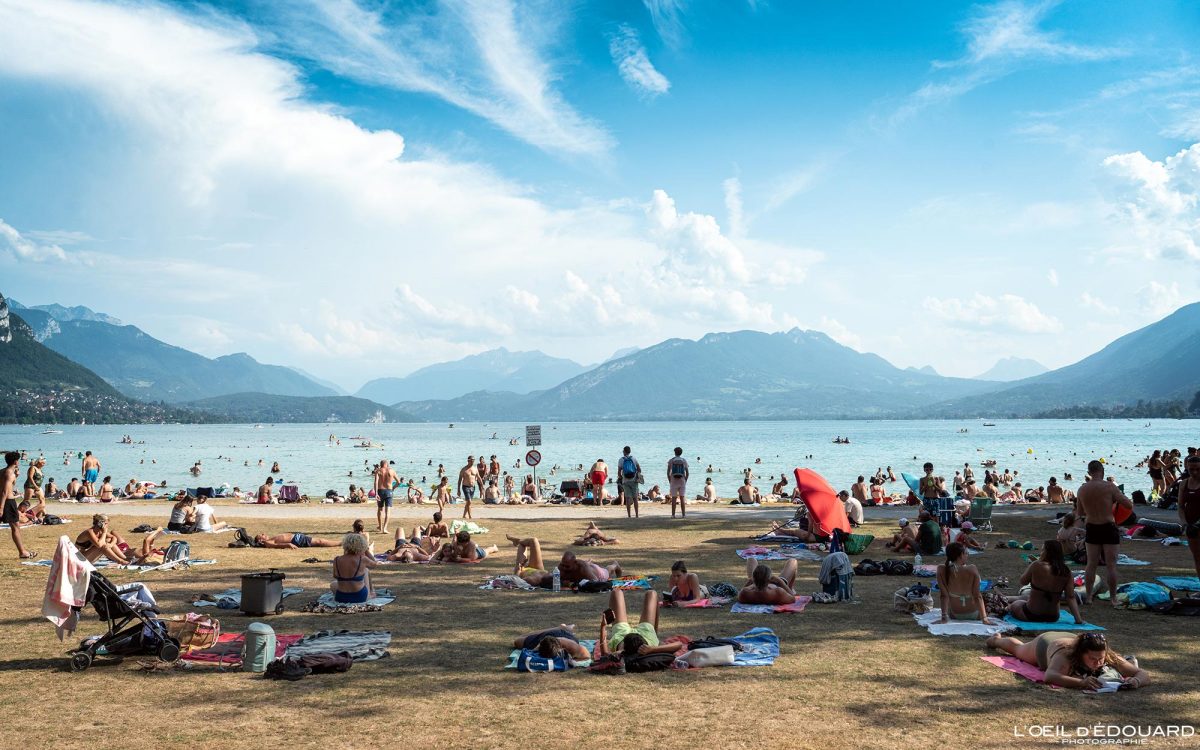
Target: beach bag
[
  {"x": 289, "y": 493},
  {"x": 1186, "y": 607},
  {"x": 51, "y": 520},
  {"x": 713, "y": 642},
  {"x": 856, "y": 544},
  {"x": 649, "y": 662},
  {"x": 176, "y": 551},
  {"x": 915, "y": 599},
  {"x": 868, "y": 567},
  {"x": 194, "y": 631},
  {"x": 715, "y": 656},
  {"x": 678, "y": 468},
  {"x": 897, "y": 567},
  {"x": 326, "y": 662},
  {"x": 531, "y": 661},
  {"x": 628, "y": 467},
  {"x": 594, "y": 587}
]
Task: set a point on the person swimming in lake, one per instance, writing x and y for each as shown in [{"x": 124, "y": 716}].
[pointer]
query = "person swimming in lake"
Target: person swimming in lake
[
  {"x": 763, "y": 588},
  {"x": 1083, "y": 661}
]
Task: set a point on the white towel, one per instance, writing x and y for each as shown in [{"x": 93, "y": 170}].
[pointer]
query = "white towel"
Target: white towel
[
  {"x": 70, "y": 574},
  {"x": 931, "y": 621}
]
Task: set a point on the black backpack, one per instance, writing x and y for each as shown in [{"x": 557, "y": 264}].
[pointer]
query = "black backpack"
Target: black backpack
[
  {"x": 51, "y": 520},
  {"x": 868, "y": 567},
  {"x": 649, "y": 662}
]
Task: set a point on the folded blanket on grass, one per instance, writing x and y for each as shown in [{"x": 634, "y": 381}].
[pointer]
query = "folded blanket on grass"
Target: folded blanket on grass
[
  {"x": 469, "y": 526},
  {"x": 707, "y": 603},
  {"x": 629, "y": 583},
  {"x": 931, "y": 621},
  {"x": 766, "y": 609},
  {"x": 760, "y": 648},
  {"x": 515, "y": 654},
  {"x": 785, "y": 552},
  {"x": 232, "y": 598},
  {"x": 1180, "y": 583},
  {"x": 1065, "y": 622},
  {"x": 228, "y": 649},
  {"x": 360, "y": 645},
  {"x": 507, "y": 583},
  {"x": 326, "y": 603}
]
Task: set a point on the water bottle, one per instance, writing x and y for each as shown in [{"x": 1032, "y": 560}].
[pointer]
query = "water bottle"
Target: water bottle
[
  {"x": 557, "y": 581},
  {"x": 917, "y": 560}
]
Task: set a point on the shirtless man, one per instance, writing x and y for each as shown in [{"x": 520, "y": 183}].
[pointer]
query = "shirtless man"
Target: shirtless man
[
  {"x": 1096, "y": 500},
  {"x": 385, "y": 477},
  {"x": 747, "y": 493},
  {"x": 491, "y": 493},
  {"x": 12, "y": 516},
  {"x": 293, "y": 541},
  {"x": 763, "y": 588},
  {"x": 91, "y": 472},
  {"x": 1054, "y": 491},
  {"x": 443, "y": 493},
  {"x": 468, "y": 482},
  {"x": 859, "y": 490},
  {"x": 710, "y": 492}
]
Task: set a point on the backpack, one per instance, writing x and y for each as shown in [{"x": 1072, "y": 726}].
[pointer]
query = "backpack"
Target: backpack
[
  {"x": 868, "y": 567},
  {"x": 326, "y": 662},
  {"x": 628, "y": 467},
  {"x": 51, "y": 520},
  {"x": 531, "y": 661},
  {"x": 176, "y": 551},
  {"x": 649, "y": 662},
  {"x": 678, "y": 468}
]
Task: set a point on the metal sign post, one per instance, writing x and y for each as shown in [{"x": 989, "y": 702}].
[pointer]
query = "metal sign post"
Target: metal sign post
[{"x": 533, "y": 438}]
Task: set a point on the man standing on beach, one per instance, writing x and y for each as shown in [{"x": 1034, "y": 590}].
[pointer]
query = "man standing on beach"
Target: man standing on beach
[
  {"x": 385, "y": 477},
  {"x": 468, "y": 482},
  {"x": 91, "y": 472},
  {"x": 1096, "y": 500},
  {"x": 677, "y": 476},
  {"x": 12, "y": 515},
  {"x": 631, "y": 476}
]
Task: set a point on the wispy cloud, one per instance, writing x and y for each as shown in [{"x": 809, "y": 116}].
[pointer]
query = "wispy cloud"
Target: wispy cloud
[
  {"x": 26, "y": 248},
  {"x": 1093, "y": 302},
  {"x": 998, "y": 39},
  {"x": 667, "y": 17},
  {"x": 1008, "y": 312},
  {"x": 634, "y": 64},
  {"x": 489, "y": 58}
]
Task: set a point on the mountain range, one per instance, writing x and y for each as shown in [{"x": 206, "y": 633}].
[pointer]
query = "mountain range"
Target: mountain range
[
  {"x": 493, "y": 370},
  {"x": 1013, "y": 368}
]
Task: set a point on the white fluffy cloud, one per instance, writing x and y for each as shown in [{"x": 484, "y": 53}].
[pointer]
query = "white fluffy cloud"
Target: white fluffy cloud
[
  {"x": 1093, "y": 302},
  {"x": 1005, "y": 312},
  {"x": 27, "y": 249},
  {"x": 1158, "y": 300},
  {"x": 1157, "y": 203},
  {"x": 634, "y": 64}
]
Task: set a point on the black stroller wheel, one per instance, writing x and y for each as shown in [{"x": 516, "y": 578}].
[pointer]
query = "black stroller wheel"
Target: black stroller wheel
[
  {"x": 80, "y": 660},
  {"x": 169, "y": 651}
]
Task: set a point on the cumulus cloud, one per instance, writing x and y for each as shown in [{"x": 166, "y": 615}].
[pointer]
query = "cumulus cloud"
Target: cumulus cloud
[
  {"x": 694, "y": 245},
  {"x": 1158, "y": 202},
  {"x": 634, "y": 64},
  {"x": 1006, "y": 312},
  {"x": 26, "y": 248}
]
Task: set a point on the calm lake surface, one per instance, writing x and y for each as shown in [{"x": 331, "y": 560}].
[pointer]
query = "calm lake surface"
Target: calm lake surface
[{"x": 231, "y": 453}]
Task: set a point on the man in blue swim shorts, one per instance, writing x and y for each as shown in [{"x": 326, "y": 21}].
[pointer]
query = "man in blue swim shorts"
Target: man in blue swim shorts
[
  {"x": 385, "y": 480},
  {"x": 91, "y": 472}
]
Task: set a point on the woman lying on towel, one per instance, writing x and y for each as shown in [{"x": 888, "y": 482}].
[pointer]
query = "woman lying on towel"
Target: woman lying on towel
[
  {"x": 764, "y": 588},
  {"x": 958, "y": 585},
  {"x": 1081, "y": 661},
  {"x": 593, "y": 537},
  {"x": 101, "y": 541},
  {"x": 351, "y": 571},
  {"x": 628, "y": 640},
  {"x": 1050, "y": 582},
  {"x": 530, "y": 566},
  {"x": 417, "y": 548},
  {"x": 463, "y": 550},
  {"x": 553, "y": 643},
  {"x": 685, "y": 586},
  {"x": 801, "y": 530}
]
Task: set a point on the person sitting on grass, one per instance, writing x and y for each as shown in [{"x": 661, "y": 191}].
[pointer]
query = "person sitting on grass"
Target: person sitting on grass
[
  {"x": 801, "y": 530},
  {"x": 929, "y": 534},
  {"x": 183, "y": 516},
  {"x": 295, "y": 540},
  {"x": 205, "y": 519},
  {"x": 573, "y": 570},
  {"x": 1071, "y": 535},
  {"x": 747, "y": 494},
  {"x": 1082, "y": 661},
  {"x": 1050, "y": 582},
  {"x": 593, "y": 537},
  {"x": 463, "y": 550},
  {"x": 905, "y": 539},
  {"x": 958, "y": 586},
  {"x": 554, "y": 643},
  {"x": 628, "y": 640},
  {"x": 101, "y": 541},
  {"x": 685, "y": 586},
  {"x": 966, "y": 536},
  {"x": 763, "y": 588},
  {"x": 351, "y": 571}
]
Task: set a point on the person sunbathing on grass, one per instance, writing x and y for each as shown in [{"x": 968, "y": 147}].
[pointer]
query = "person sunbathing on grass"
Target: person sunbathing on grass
[
  {"x": 351, "y": 582},
  {"x": 573, "y": 570},
  {"x": 628, "y": 640},
  {"x": 530, "y": 566},
  {"x": 415, "y": 549},
  {"x": 685, "y": 586},
  {"x": 593, "y": 537},
  {"x": 958, "y": 586},
  {"x": 802, "y": 529},
  {"x": 553, "y": 643},
  {"x": 763, "y": 588},
  {"x": 463, "y": 550},
  {"x": 1082, "y": 661},
  {"x": 1050, "y": 582},
  {"x": 905, "y": 539},
  {"x": 293, "y": 541}
]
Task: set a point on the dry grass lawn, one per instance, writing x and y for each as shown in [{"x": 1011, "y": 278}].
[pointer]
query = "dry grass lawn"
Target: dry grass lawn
[{"x": 851, "y": 675}]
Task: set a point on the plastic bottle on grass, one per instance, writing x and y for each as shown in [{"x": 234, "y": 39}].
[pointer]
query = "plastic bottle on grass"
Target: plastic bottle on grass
[{"x": 557, "y": 580}]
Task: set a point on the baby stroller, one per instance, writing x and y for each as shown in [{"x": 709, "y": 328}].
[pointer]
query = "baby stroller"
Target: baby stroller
[{"x": 130, "y": 632}]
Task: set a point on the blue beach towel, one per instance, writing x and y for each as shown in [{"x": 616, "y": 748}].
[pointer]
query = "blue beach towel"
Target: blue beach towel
[
  {"x": 1065, "y": 622},
  {"x": 760, "y": 648},
  {"x": 1180, "y": 583}
]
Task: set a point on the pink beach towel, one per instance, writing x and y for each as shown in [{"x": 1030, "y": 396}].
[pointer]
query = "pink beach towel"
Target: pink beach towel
[{"x": 1018, "y": 667}]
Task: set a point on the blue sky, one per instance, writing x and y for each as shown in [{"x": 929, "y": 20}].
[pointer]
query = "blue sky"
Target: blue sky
[{"x": 360, "y": 188}]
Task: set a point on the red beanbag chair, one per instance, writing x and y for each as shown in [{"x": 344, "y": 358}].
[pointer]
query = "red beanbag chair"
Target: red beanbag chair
[{"x": 825, "y": 510}]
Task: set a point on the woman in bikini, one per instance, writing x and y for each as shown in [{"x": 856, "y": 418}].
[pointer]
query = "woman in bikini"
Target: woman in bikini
[
  {"x": 106, "y": 491},
  {"x": 685, "y": 586},
  {"x": 351, "y": 571},
  {"x": 1155, "y": 469},
  {"x": 1081, "y": 661},
  {"x": 530, "y": 566},
  {"x": 593, "y": 537},
  {"x": 958, "y": 585},
  {"x": 763, "y": 588},
  {"x": 100, "y": 541},
  {"x": 1050, "y": 582}
]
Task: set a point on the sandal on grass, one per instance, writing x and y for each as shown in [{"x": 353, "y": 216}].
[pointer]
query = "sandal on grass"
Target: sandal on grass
[{"x": 30, "y": 555}]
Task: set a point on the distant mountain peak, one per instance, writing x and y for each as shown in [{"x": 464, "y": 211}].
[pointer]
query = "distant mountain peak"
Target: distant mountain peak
[
  {"x": 65, "y": 314},
  {"x": 1013, "y": 368},
  {"x": 927, "y": 369}
]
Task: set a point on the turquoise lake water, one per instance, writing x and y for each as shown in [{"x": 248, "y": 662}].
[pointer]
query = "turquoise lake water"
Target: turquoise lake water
[{"x": 165, "y": 452}]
